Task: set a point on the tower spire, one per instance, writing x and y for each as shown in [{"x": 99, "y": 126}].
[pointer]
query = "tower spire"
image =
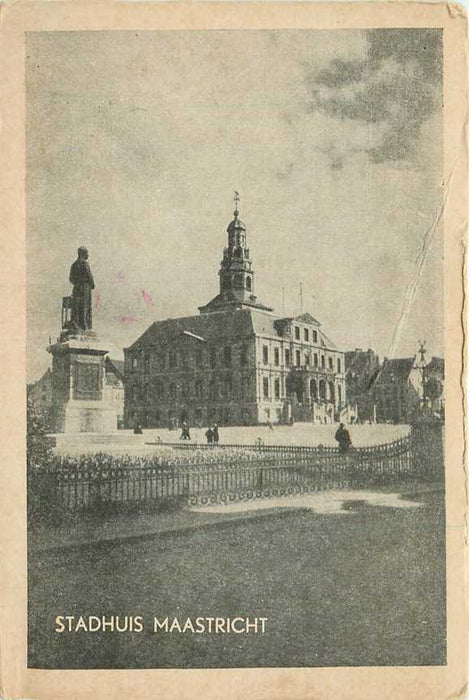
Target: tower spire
[{"x": 236, "y": 275}]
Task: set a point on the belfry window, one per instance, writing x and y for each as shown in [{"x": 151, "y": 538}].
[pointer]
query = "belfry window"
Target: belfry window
[{"x": 248, "y": 284}]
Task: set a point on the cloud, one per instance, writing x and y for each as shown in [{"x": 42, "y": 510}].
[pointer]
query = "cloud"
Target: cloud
[{"x": 391, "y": 92}]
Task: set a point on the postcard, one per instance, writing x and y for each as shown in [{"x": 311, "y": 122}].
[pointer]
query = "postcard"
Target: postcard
[{"x": 233, "y": 358}]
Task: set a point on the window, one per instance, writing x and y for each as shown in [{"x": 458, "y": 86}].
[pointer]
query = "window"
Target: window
[
  {"x": 315, "y": 359},
  {"x": 313, "y": 389},
  {"x": 277, "y": 388},
  {"x": 331, "y": 363},
  {"x": 212, "y": 389},
  {"x": 297, "y": 333},
  {"x": 338, "y": 365},
  {"x": 306, "y": 334},
  {"x": 276, "y": 357},
  {"x": 315, "y": 336},
  {"x": 265, "y": 386},
  {"x": 248, "y": 284},
  {"x": 213, "y": 357},
  {"x": 265, "y": 354},
  {"x": 227, "y": 356},
  {"x": 323, "y": 361},
  {"x": 298, "y": 358},
  {"x": 134, "y": 362},
  {"x": 287, "y": 358},
  {"x": 307, "y": 359},
  {"x": 228, "y": 386},
  {"x": 244, "y": 355}
]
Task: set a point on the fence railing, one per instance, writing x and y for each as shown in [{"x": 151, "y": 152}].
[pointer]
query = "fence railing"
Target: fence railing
[{"x": 104, "y": 481}]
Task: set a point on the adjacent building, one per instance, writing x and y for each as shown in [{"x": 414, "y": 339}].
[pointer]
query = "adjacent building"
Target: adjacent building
[
  {"x": 361, "y": 369},
  {"x": 235, "y": 363},
  {"x": 397, "y": 390}
]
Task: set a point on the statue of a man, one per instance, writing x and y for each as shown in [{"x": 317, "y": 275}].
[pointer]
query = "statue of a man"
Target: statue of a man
[{"x": 83, "y": 283}]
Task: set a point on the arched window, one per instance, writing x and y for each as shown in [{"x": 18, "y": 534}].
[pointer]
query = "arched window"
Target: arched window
[
  {"x": 331, "y": 391},
  {"x": 248, "y": 284}
]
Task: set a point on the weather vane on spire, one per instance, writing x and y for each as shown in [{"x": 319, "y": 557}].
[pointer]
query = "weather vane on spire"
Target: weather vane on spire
[{"x": 236, "y": 201}]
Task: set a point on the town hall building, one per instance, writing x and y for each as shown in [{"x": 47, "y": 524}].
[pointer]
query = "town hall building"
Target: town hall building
[{"x": 235, "y": 363}]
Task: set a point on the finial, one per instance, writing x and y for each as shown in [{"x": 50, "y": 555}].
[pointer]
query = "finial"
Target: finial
[{"x": 236, "y": 201}]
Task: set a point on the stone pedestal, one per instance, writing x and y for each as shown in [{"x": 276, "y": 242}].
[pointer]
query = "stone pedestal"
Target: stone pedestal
[{"x": 78, "y": 374}]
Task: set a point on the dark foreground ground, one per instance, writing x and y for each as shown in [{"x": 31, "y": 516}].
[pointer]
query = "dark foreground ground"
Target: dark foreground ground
[{"x": 366, "y": 588}]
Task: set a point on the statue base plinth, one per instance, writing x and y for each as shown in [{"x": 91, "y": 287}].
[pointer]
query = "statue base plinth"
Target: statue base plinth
[{"x": 80, "y": 400}]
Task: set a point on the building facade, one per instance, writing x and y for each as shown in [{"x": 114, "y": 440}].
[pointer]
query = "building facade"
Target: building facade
[
  {"x": 235, "y": 363},
  {"x": 397, "y": 390},
  {"x": 361, "y": 370}
]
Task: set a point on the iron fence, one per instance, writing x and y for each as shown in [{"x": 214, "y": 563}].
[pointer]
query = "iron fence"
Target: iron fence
[{"x": 103, "y": 480}]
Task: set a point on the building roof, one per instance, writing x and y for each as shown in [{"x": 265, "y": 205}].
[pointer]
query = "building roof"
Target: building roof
[
  {"x": 395, "y": 370},
  {"x": 216, "y": 326},
  {"x": 306, "y": 318},
  {"x": 116, "y": 366},
  {"x": 228, "y": 298},
  {"x": 436, "y": 364}
]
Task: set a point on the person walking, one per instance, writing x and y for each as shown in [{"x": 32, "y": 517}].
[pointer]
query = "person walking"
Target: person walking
[
  {"x": 343, "y": 438},
  {"x": 216, "y": 436},
  {"x": 185, "y": 434},
  {"x": 209, "y": 436}
]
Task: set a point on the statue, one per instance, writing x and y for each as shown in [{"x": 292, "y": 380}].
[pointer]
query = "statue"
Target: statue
[{"x": 83, "y": 283}]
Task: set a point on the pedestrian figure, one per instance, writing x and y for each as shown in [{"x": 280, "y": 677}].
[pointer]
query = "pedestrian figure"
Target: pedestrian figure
[
  {"x": 216, "y": 436},
  {"x": 343, "y": 438},
  {"x": 185, "y": 434},
  {"x": 269, "y": 425},
  {"x": 209, "y": 436}
]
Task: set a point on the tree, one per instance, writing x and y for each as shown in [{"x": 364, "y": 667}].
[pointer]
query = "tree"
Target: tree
[
  {"x": 38, "y": 444},
  {"x": 433, "y": 388},
  {"x": 41, "y": 493}
]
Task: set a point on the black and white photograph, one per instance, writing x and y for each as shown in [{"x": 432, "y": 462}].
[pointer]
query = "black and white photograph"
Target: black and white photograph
[{"x": 235, "y": 348}]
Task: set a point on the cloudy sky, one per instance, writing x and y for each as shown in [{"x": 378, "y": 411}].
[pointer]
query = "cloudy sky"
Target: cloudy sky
[{"x": 137, "y": 140}]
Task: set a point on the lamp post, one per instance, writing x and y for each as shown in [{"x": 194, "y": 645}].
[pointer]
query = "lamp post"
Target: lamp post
[{"x": 421, "y": 365}]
